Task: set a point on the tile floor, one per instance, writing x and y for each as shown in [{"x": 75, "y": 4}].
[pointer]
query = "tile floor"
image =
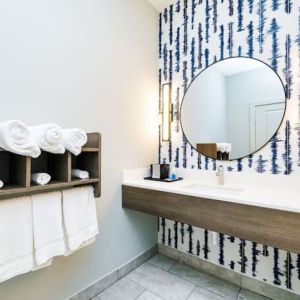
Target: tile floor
[{"x": 164, "y": 278}]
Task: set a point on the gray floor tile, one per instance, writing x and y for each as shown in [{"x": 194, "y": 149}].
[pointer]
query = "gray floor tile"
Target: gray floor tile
[
  {"x": 162, "y": 261},
  {"x": 188, "y": 273},
  {"x": 161, "y": 283},
  {"x": 124, "y": 289},
  {"x": 223, "y": 288},
  {"x": 267, "y": 290},
  {"x": 248, "y": 295},
  {"x": 98, "y": 287},
  {"x": 203, "y": 294},
  {"x": 213, "y": 284},
  {"x": 147, "y": 295},
  {"x": 136, "y": 262}
]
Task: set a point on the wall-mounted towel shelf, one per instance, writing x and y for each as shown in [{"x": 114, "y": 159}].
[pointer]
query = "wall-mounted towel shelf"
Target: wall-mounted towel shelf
[{"x": 16, "y": 170}]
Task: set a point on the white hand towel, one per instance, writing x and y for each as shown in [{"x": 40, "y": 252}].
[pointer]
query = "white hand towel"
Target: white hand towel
[
  {"x": 15, "y": 137},
  {"x": 1, "y": 184},
  {"x": 16, "y": 232},
  {"x": 77, "y": 173},
  {"x": 80, "y": 217},
  {"x": 40, "y": 178},
  {"x": 48, "y": 137},
  {"x": 74, "y": 139},
  {"x": 47, "y": 227}
]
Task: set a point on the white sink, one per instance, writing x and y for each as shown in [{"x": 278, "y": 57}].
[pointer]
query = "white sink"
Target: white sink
[{"x": 215, "y": 189}]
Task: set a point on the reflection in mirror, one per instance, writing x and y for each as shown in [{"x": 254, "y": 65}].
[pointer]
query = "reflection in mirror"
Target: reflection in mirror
[{"x": 233, "y": 108}]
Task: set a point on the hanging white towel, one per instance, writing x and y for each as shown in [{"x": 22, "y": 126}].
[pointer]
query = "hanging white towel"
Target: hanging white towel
[
  {"x": 42, "y": 266},
  {"x": 16, "y": 232},
  {"x": 40, "y": 178},
  {"x": 80, "y": 217},
  {"x": 1, "y": 184},
  {"x": 48, "y": 137},
  {"x": 81, "y": 174},
  {"x": 15, "y": 137},
  {"x": 74, "y": 139},
  {"x": 47, "y": 227}
]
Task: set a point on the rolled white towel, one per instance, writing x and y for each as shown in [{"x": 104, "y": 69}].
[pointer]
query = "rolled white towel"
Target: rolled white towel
[
  {"x": 15, "y": 138},
  {"x": 74, "y": 139},
  {"x": 40, "y": 178},
  {"x": 48, "y": 137},
  {"x": 81, "y": 174},
  {"x": 1, "y": 184}
]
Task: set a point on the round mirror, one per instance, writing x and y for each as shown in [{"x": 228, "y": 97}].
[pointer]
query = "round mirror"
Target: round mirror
[{"x": 233, "y": 108}]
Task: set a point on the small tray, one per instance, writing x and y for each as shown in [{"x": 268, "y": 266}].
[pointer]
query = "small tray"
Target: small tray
[{"x": 163, "y": 180}]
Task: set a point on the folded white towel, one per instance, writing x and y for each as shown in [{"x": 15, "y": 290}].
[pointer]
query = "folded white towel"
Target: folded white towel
[
  {"x": 47, "y": 227},
  {"x": 1, "y": 184},
  {"x": 48, "y": 137},
  {"x": 81, "y": 174},
  {"x": 40, "y": 178},
  {"x": 80, "y": 217},
  {"x": 224, "y": 147},
  {"x": 15, "y": 137},
  {"x": 16, "y": 232},
  {"x": 74, "y": 139}
]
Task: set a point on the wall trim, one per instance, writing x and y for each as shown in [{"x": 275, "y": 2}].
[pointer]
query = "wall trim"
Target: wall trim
[
  {"x": 239, "y": 279},
  {"x": 107, "y": 280}
]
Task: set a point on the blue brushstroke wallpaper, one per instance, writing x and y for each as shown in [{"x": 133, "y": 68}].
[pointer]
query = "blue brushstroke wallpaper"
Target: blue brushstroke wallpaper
[{"x": 194, "y": 34}]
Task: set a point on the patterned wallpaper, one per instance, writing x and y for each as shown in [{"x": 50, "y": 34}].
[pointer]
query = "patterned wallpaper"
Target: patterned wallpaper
[{"x": 193, "y": 34}]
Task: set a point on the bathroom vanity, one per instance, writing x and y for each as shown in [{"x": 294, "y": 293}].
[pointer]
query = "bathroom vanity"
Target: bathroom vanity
[{"x": 256, "y": 212}]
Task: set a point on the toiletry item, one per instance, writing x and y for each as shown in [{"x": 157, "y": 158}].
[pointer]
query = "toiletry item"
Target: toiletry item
[
  {"x": 1, "y": 184},
  {"x": 48, "y": 137},
  {"x": 40, "y": 178},
  {"x": 81, "y": 174},
  {"x": 160, "y": 171},
  {"x": 74, "y": 139},
  {"x": 155, "y": 171},
  {"x": 15, "y": 138},
  {"x": 173, "y": 175}
]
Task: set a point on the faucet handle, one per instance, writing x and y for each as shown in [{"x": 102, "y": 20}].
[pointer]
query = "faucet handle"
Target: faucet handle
[
  {"x": 220, "y": 170},
  {"x": 220, "y": 174}
]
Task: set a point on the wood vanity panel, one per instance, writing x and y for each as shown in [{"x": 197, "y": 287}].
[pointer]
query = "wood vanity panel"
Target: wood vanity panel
[{"x": 276, "y": 228}]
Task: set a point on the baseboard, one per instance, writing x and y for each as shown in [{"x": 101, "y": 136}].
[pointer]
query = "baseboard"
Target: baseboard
[
  {"x": 241, "y": 280},
  {"x": 109, "y": 279}
]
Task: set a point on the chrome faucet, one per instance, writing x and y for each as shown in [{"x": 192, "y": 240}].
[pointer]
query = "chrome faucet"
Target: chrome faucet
[{"x": 220, "y": 174}]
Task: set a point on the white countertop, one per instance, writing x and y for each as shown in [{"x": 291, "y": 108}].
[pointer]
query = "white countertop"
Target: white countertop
[{"x": 271, "y": 191}]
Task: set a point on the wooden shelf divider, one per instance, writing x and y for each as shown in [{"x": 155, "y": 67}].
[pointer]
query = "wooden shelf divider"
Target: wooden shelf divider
[{"x": 16, "y": 170}]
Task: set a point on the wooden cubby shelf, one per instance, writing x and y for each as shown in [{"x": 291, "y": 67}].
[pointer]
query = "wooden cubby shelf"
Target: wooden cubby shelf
[{"x": 16, "y": 170}]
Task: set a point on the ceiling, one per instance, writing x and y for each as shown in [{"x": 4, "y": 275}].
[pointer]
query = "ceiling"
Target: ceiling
[
  {"x": 229, "y": 67},
  {"x": 161, "y": 4}
]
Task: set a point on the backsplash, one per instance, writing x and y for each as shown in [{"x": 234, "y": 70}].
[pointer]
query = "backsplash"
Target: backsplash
[{"x": 193, "y": 34}]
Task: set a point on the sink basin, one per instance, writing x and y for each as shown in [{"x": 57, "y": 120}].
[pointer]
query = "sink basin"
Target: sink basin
[{"x": 221, "y": 190}]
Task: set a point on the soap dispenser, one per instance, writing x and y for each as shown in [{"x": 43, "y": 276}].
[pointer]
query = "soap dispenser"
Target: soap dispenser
[{"x": 173, "y": 175}]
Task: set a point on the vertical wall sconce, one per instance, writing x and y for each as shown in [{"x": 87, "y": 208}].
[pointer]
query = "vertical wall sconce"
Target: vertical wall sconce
[{"x": 166, "y": 112}]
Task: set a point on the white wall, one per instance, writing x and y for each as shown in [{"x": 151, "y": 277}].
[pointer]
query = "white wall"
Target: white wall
[
  {"x": 89, "y": 64},
  {"x": 241, "y": 90},
  {"x": 203, "y": 112}
]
